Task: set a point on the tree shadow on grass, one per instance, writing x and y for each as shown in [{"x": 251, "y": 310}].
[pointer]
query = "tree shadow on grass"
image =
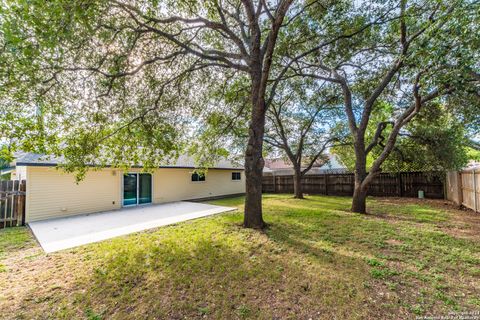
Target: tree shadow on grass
[
  {"x": 409, "y": 212},
  {"x": 407, "y": 253},
  {"x": 313, "y": 264},
  {"x": 225, "y": 275},
  {"x": 156, "y": 275},
  {"x": 211, "y": 274}
]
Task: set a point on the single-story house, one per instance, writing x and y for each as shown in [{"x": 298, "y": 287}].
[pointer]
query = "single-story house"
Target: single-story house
[
  {"x": 52, "y": 193},
  {"x": 282, "y": 167}
]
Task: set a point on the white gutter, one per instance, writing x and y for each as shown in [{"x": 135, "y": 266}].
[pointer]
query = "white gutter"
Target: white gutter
[{"x": 6, "y": 170}]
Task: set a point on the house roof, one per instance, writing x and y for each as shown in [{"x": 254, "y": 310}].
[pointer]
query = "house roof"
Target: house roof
[{"x": 183, "y": 161}]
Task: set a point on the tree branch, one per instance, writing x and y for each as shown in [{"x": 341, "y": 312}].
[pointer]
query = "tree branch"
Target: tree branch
[{"x": 378, "y": 138}]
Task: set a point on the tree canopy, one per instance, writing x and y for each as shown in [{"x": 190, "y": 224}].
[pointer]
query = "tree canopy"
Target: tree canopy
[
  {"x": 435, "y": 141},
  {"x": 138, "y": 82},
  {"x": 413, "y": 55},
  {"x": 109, "y": 81}
]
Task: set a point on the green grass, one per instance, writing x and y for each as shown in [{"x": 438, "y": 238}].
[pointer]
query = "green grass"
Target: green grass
[
  {"x": 315, "y": 260},
  {"x": 12, "y": 240}
]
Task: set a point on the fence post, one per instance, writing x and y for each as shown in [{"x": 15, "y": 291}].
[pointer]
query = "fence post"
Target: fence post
[
  {"x": 474, "y": 192},
  {"x": 23, "y": 201},
  {"x": 400, "y": 184},
  {"x": 274, "y": 178},
  {"x": 10, "y": 189},
  {"x": 13, "y": 223},
  {"x": 2, "y": 221},
  {"x": 326, "y": 184},
  {"x": 459, "y": 188}
]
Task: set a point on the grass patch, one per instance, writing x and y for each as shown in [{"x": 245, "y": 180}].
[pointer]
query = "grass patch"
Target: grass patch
[
  {"x": 14, "y": 239},
  {"x": 11, "y": 241},
  {"x": 316, "y": 260}
]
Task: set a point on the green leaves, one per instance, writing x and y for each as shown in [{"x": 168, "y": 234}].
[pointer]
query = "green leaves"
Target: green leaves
[
  {"x": 434, "y": 141},
  {"x": 113, "y": 88}
]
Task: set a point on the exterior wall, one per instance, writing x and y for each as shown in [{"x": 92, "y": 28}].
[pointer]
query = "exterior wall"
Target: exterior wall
[
  {"x": 52, "y": 193},
  {"x": 175, "y": 184}
]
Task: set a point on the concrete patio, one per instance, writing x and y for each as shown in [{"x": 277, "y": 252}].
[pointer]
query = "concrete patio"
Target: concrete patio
[{"x": 63, "y": 233}]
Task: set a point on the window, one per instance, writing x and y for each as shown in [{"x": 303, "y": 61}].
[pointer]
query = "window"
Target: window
[
  {"x": 198, "y": 177},
  {"x": 236, "y": 176}
]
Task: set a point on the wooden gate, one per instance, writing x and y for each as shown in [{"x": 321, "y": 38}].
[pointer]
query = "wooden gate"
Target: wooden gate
[
  {"x": 12, "y": 203},
  {"x": 463, "y": 188}
]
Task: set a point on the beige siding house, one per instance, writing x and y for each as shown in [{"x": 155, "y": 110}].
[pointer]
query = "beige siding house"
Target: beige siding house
[{"x": 52, "y": 193}]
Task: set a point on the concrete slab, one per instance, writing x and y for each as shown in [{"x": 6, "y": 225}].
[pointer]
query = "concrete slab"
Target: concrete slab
[{"x": 63, "y": 233}]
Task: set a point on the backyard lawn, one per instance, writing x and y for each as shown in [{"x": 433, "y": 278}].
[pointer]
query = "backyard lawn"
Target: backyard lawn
[{"x": 316, "y": 260}]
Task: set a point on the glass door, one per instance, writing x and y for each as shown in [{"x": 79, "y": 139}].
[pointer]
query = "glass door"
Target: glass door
[
  {"x": 137, "y": 189},
  {"x": 144, "y": 188},
  {"x": 130, "y": 189}
]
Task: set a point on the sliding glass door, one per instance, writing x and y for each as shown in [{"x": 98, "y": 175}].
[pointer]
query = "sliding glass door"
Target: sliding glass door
[
  {"x": 137, "y": 189},
  {"x": 144, "y": 188},
  {"x": 130, "y": 189}
]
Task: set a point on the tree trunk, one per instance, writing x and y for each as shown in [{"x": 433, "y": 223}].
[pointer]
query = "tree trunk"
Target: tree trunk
[
  {"x": 259, "y": 64},
  {"x": 254, "y": 161},
  {"x": 254, "y": 164},
  {"x": 359, "y": 201},
  {"x": 297, "y": 184}
]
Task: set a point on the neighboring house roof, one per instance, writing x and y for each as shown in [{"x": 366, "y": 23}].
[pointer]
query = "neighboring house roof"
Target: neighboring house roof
[
  {"x": 183, "y": 161},
  {"x": 281, "y": 167},
  {"x": 280, "y": 164},
  {"x": 473, "y": 164},
  {"x": 6, "y": 170},
  {"x": 312, "y": 171},
  {"x": 274, "y": 164}
]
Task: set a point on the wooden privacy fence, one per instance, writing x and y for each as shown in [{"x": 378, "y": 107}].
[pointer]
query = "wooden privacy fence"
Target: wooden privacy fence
[
  {"x": 402, "y": 184},
  {"x": 12, "y": 203},
  {"x": 463, "y": 188}
]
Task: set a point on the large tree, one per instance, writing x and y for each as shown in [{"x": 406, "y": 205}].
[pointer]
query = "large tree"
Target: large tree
[
  {"x": 299, "y": 124},
  {"x": 109, "y": 81},
  {"x": 435, "y": 141},
  {"x": 111, "y": 76},
  {"x": 410, "y": 55}
]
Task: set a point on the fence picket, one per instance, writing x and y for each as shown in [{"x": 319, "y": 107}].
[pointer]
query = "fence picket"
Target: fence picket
[
  {"x": 463, "y": 188},
  {"x": 404, "y": 184},
  {"x": 12, "y": 203}
]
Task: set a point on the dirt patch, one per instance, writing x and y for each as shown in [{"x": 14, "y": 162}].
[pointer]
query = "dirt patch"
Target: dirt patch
[
  {"x": 394, "y": 242},
  {"x": 33, "y": 279},
  {"x": 434, "y": 203},
  {"x": 462, "y": 223}
]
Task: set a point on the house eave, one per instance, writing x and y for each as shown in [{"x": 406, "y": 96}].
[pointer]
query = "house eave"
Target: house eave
[
  {"x": 28, "y": 164},
  {"x": 7, "y": 170}
]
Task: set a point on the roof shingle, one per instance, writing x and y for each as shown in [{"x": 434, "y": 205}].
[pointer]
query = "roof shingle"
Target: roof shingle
[{"x": 183, "y": 161}]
